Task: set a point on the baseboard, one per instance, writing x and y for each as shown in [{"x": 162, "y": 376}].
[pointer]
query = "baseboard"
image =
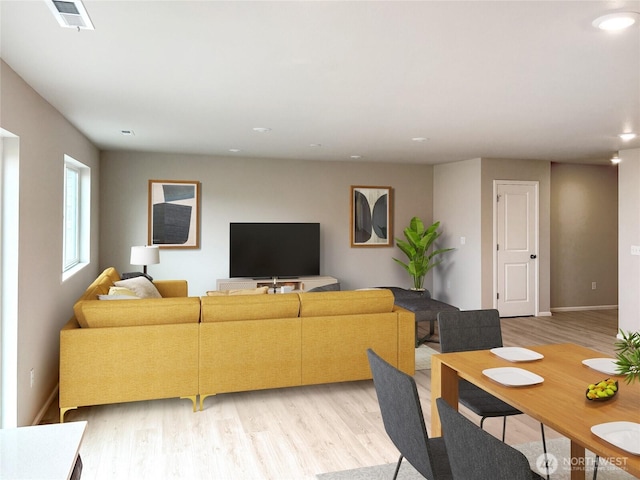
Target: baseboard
[
  {"x": 543, "y": 314},
  {"x": 45, "y": 407},
  {"x": 588, "y": 307}
]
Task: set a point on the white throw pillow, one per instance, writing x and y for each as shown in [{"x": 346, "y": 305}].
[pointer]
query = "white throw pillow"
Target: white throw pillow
[
  {"x": 141, "y": 286},
  {"x": 117, "y": 297},
  {"x": 121, "y": 291}
]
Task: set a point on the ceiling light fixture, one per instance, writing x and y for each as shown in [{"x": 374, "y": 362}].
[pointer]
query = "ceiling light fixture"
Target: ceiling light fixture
[
  {"x": 261, "y": 129},
  {"x": 627, "y": 136},
  {"x": 355, "y": 157},
  {"x": 615, "y": 159},
  {"x": 419, "y": 139},
  {"x": 315, "y": 145},
  {"x": 70, "y": 14},
  {"x": 616, "y": 21},
  {"x": 234, "y": 150}
]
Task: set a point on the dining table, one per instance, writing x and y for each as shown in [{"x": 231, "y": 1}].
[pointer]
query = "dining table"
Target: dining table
[{"x": 550, "y": 386}]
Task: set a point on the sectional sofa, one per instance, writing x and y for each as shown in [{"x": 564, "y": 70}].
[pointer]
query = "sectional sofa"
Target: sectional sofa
[{"x": 126, "y": 350}]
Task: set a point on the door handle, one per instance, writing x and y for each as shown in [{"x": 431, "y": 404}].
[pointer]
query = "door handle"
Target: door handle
[{"x": 533, "y": 256}]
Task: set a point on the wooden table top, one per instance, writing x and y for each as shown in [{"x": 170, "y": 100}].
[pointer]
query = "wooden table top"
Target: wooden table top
[{"x": 559, "y": 401}]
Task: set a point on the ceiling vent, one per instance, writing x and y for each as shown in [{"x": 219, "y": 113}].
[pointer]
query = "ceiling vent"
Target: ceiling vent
[{"x": 70, "y": 14}]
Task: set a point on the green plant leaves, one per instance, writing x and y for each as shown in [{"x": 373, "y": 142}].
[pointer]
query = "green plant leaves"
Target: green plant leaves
[
  {"x": 628, "y": 355},
  {"x": 418, "y": 241}
]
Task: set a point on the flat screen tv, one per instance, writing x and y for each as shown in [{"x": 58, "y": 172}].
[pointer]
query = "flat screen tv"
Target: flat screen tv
[{"x": 267, "y": 250}]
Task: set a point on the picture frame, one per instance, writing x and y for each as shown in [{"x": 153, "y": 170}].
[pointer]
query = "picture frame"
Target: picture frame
[
  {"x": 174, "y": 213},
  {"x": 371, "y": 216}
]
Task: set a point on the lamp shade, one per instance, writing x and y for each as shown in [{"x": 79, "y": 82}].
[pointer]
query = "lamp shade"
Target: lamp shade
[{"x": 145, "y": 255}]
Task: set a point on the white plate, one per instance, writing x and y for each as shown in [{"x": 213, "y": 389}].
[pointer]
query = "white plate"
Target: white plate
[
  {"x": 516, "y": 354},
  {"x": 512, "y": 376},
  {"x": 625, "y": 435},
  {"x": 604, "y": 365}
]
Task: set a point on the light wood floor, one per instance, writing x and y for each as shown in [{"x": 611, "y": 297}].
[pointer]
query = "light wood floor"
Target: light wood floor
[{"x": 292, "y": 433}]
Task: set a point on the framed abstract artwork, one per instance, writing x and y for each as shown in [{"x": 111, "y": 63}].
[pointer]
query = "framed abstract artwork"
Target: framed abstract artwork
[
  {"x": 371, "y": 224},
  {"x": 174, "y": 213}
]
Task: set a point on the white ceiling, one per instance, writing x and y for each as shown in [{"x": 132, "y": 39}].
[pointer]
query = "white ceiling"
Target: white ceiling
[{"x": 507, "y": 79}]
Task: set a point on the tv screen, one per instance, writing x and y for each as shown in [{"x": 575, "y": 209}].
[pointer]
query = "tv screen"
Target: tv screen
[{"x": 267, "y": 250}]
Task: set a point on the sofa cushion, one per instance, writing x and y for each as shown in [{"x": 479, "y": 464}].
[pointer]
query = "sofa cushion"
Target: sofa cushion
[
  {"x": 115, "y": 296},
  {"x": 141, "y": 286},
  {"x": 252, "y": 307},
  {"x": 345, "y": 302},
  {"x": 239, "y": 291},
  {"x": 100, "y": 286},
  {"x": 151, "y": 311}
]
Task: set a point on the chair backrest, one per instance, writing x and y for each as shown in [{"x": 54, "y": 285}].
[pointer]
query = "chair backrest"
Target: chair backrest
[
  {"x": 402, "y": 413},
  {"x": 469, "y": 330},
  {"x": 477, "y": 455}
]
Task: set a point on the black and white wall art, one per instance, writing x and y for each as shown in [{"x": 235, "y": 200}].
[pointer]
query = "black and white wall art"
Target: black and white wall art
[
  {"x": 174, "y": 213},
  {"x": 371, "y": 216}
]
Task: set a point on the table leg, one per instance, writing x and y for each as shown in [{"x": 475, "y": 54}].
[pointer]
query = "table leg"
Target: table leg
[
  {"x": 444, "y": 383},
  {"x": 427, "y": 338},
  {"x": 578, "y": 465}
]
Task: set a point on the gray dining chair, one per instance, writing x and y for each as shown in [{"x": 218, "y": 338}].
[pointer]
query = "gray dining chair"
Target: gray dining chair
[
  {"x": 404, "y": 422},
  {"x": 477, "y": 455},
  {"x": 467, "y": 330}
]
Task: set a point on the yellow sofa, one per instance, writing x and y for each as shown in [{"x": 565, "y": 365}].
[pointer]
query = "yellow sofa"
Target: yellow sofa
[
  {"x": 272, "y": 341},
  {"x": 178, "y": 346},
  {"x": 128, "y": 350}
]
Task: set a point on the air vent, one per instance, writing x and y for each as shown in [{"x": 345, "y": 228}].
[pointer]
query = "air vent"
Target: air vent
[{"x": 70, "y": 14}]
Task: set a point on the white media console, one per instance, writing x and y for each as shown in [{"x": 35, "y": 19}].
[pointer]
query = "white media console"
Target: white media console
[{"x": 298, "y": 284}]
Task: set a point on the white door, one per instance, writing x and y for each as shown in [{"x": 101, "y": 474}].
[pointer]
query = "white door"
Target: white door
[{"x": 516, "y": 248}]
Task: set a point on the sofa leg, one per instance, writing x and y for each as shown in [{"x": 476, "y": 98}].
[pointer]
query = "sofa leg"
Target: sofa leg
[
  {"x": 202, "y": 397},
  {"x": 63, "y": 411},
  {"x": 193, "y": 399}
]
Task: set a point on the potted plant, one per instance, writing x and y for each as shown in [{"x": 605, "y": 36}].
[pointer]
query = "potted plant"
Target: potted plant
[
  {"x": 628, "y": 355},
  {"x": 416, "y": 247}
]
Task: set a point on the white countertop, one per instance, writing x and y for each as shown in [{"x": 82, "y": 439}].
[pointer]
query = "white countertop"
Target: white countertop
[{"x": 40, "y": 452}]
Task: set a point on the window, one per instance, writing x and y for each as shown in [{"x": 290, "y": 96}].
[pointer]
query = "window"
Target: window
[
  {"x": 77, "y": 201},
  {"x": 71, "y": 217}
]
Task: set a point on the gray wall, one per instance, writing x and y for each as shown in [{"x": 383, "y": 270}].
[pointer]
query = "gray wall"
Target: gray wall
[
  {"x": 464, "y": 204},
  {"x": 456, "y": 193},
  {"x": 629, "y": 234},
  {"x": 243, "y": 189},
  {"x": 578, "y": 231},
  {"x": 513, "y": 169},
  {"x": 584, "y": 235},
  {"x": 44, "y": 301}
]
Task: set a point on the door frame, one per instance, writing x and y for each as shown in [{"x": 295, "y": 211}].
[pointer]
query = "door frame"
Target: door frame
[{"x": 536, "y": 185}]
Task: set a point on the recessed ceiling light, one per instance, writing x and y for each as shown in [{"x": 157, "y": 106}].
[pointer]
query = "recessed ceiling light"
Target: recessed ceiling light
[
  {"x": 616, "y": 21},
  {"x": 127, "y": 133},
  {"x": 315, "y": 145},
  {"x": 419, "y": 139},
  {"x": 615, "y": 159},
  {"x": 261, "y": 129},
  {"x": 627, "y": 136},
  {"x": 355, "y": 157},
  {"x": 234, "y": 150}
]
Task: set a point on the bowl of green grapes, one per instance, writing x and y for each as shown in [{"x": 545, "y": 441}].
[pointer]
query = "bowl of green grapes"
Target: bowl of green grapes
[{"x": 602, "y": 390}]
